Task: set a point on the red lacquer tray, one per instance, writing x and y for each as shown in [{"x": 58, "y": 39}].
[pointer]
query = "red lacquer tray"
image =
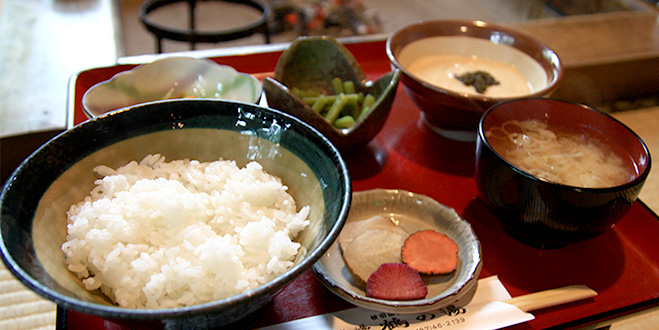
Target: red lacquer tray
[{"x": 621, "y": 265}]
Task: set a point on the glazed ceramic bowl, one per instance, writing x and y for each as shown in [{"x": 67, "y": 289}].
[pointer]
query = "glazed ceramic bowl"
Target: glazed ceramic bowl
[
  {"x": 60, "y": 174},
  {"x": 546, "y": 213},
  {"x": 412, "y": 212},
  {"x": 171, "y": 78},
  {"x": 310, "y": 64},
  {"x": 432, "y": 54}
]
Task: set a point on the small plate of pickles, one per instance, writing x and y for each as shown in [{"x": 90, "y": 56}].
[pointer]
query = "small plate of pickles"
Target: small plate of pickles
[{"x": 411, "y": 213}]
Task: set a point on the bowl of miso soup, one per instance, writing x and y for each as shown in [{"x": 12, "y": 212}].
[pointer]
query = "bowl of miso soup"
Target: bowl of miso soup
[{"x": 556, "y": 172}]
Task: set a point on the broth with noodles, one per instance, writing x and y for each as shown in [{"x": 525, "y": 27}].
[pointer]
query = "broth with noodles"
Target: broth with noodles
[{"x": 574, "y": 158}]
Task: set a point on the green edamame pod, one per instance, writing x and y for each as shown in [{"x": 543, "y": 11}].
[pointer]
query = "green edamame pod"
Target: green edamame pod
[
  {"x": 344, "y": 122},
  {"x": 312, "y": 99},
  {"x": 338, "y": 85},
  {"x": 369, "y": 99},
  {"x": 349, "y": 87},
  {"x": 319, "y": 104},
  {"x": 335, "y": 109}
]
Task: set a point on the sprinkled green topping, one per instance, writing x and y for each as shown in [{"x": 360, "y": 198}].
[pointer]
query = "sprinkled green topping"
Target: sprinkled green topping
[{"x": 481, "y": 80}]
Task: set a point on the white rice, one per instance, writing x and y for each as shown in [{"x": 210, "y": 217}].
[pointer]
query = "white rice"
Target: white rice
[{"x": 169, "y": 234}]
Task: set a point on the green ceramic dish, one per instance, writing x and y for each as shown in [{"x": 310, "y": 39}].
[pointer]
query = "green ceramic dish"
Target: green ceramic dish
[{"x": 310, "y": 63}]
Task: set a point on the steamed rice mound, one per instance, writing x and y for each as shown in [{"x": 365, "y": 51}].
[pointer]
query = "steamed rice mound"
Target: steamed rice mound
[{"x": 159, "y": 234}]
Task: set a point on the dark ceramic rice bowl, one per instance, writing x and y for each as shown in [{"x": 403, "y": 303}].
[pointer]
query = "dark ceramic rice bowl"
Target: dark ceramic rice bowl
[{"x": 60, "y": 173}]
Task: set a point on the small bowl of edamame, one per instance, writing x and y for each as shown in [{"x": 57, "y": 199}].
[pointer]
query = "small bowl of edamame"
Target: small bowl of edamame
[{"x": 319, "y": 81}]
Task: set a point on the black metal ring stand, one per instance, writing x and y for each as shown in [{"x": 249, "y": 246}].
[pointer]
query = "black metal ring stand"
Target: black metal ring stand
[{"x": 192, "y": 36}]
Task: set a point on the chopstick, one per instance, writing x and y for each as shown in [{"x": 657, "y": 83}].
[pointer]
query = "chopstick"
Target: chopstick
[{"x": 552, "y": 297}]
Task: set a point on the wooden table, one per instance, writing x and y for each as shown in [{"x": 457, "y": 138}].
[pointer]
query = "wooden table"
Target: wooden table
[
  {"x": 645, "y": 122},
  {"x": 43, "y": 43}
]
